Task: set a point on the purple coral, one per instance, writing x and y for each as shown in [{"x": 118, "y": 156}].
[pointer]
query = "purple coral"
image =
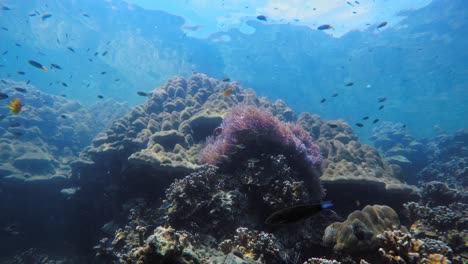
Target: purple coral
[{"x": 252, "y": 128}]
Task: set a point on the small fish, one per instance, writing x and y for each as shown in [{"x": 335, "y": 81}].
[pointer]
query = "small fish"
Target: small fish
[
  {"x": 325, "y": 27},
  {"x": 365, "y": 118},
  {"x": 100, "y": 97},
  {"x": 102, "y": 73},
  {"x": 85, "y": 15},
  {"x": 16, "y": 133},
  {"x": 116, "y": 80},
  {"x": 296, "y": 213},
  {"x": 96, "y": 53},
  {"x": 323, "y": 100},
  {"x": 104, "y": 53},
  {"x": 381, "y": 107},
  {"x": 6, "y": 8},
  {"x": 108, "y": 42},
  {"x": 55, "y": 66},
  {"x": 90, "y": 60},
  {"x": 21, "y": 72},
  {"x": 227, "y": 92},
  {"x": 45, "y": 16},
  {"x": 404, "y": 126},
  {"x": 64, "y": 84},
  {"x": 349, "y": 84},
  {"x": 14, "y": 125},
  {"x": 28, "y": 81},
  {"x": 3, "y": 96},
  {"x": 357, "y": 2},
  {"x": 349, "y": 3},
  {"x": 63, "y": 95},
  {"x": 335, "y": 95},
  {"x": 19, "y": 89},
  {"x": 381, "y": 99},
  {"x": 5, "y": 52},
  {"x": 142, "y": 93},
  {"x": 11, "y": 229},
  {"x": 375, "y": 121},
  {"x": 15, "y": 106},
  {"x": 63, "y": 116},
  {"x": 227, "y": 79},
  {"x": 32, "y": 14},
  {"x": 332, "y": 125},
  {"x": 382, "y": 24},
  {"x": 37, "y": 65},
  {"x": 359, "y": 125},
  {"x": 262, "y": 18},
  {"x": 71, "y": 49},
  {"x": 4, "y": 28}
]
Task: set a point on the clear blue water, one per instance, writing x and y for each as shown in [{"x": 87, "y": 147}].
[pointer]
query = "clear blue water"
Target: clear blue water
[{"x": 419, "y": 62}]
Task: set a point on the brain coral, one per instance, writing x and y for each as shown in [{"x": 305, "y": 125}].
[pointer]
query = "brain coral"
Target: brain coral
[{"x": 359, "y": 231}]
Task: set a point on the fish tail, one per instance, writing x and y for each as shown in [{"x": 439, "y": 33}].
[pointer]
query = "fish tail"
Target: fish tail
[
  {"x": 326, "y": 205},
  {"x": 44, "y": 68}
]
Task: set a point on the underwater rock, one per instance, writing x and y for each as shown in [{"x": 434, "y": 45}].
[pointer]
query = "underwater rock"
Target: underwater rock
[
  {"x": 321, "y": 261},
  {"x": 358, "y": 233}
]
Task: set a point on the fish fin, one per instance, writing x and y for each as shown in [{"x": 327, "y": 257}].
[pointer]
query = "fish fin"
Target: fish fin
[
  {"x": 44, "y": 69},
  {"x": 327, "y": 204}
]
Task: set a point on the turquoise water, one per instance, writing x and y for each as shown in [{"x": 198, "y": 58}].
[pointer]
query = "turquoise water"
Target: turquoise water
[{"x": 417, "y": 62}]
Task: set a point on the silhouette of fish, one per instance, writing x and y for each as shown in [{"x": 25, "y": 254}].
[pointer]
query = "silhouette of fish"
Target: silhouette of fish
[{"x": 293, "y": 214}]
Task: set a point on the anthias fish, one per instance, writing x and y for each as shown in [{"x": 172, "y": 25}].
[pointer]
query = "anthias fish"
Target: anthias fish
[
  {"x": 55, "y": 66},
  {"x": 100, "y": 97},
  {"x": 381, "y": 99},
  {"x": 365, "y": 118},
  {"x": 21, "y": 72},
  {"x": 335, "y": 95},
  {"x": 293, "y": 214},
  {"x": 37, "y": 65},
  {"x": 381, "y": 107},
  {"x": 19, "y": 89},
  {"x": 142, "y": 93},
  {"x": 349, "y": 84},
  {"x": 227, "y": 92},
  {"x": 359, "y": 125},
  {"x": 227, "y": 79},
  {"x": 323, "y": 100},
  {"x": 332, "y": 125},
  {"x": 15, "y": 105},
  {"x": 375, "y": 121},
  {"x": 325, "y": 27},
  {"x": 45, "y": 16}
]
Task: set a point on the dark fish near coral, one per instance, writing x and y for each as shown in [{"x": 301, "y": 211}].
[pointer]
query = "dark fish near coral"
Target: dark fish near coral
[
  {"x": 323, "y": 100},
  {"x": 71, "y": 49},
  {"x": 293, "y": 214},
  {"x": 45, "y": 16},
  {"x": 349, "y": 84},
  {"x": 142, "y": 93},
  {"x": 100, "y": 97},
  {"x": 332, "y": 125},
  {"x": 365, "y": 118},
  {"x": 37, "y": 65},
  {"x": 104, "y": 53},
  {"x": 375, "y": 121},
  {"x": 63, "y": 116},
  {"x": 227, "y": 79},
  {"x": 382, "y": 24},
  {"x": 18, "y": 134},
  {"x": 32, "y": 14},
  {"x": 335, "y": 95},
  {"x": 3, "y": 96},
  {"x": 325, "y": 27},
  {"x": 64, "y": 84},
  {"x": 381, "y": 107},
  {"x": 21, "y": 72},
  {"x": 14, "y": 125},
  {"x": 19, "y": 89},
  {"x": 3, "y": 81},
  {"x": 359, "y": 125},
  {"x": 55, "y": 66},
  {"x": 381, "y": 99},
  {"x": 262, "y": 18},
  {"x": 227, "y": 92},
  {"x": 11, "y": 229}
]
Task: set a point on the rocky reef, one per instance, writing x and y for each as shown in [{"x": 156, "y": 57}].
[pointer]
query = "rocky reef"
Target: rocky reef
[
  {"x": 208, "y": 169},
  {"x": 37, "y": 146}
]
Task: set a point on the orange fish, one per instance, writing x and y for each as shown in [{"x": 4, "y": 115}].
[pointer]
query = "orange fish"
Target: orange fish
[
  {"x": 228, "y": 91},
  {"x": 15, "y": 105}
]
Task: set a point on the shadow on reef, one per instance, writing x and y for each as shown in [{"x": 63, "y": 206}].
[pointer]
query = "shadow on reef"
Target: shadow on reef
[{"x": 191, "y": 175}]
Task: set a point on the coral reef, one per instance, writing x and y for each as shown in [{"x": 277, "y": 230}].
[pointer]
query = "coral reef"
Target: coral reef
[
  {"x": 448, "y": 160},
  {"x": 399, "y": 147},
  {"x": 400, "y": 247},
  {"x": 359, "y": 231}
]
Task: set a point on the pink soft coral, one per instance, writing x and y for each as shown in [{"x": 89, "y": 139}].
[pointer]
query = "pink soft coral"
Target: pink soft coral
[{"x": 251, "y": 128}]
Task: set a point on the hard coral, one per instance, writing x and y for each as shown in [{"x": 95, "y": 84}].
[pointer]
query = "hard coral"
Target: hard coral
[{"x": 258, "y": 130}]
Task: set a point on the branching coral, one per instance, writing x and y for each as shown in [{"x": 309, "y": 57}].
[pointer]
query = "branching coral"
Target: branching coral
[{"x": 253, "y": 128}]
